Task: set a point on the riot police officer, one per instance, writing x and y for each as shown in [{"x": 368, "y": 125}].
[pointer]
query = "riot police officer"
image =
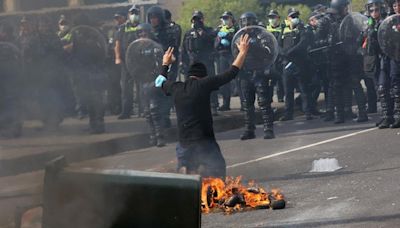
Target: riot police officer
[
  {"x": 319, "y": 64},
  {"x": 344, "y": 77},
  {"x": 10, "y": 84},
  {"x": 167, "y": 36},
  {"x": 87, "y": 62},
  {"x": 114, "y": 71},
  {"x": 225, "y": 33},
  {"x": 254, "y": 81},
  {"x": 126, "y": 35},
  {"x": 198, "y": 46},
  {"x": 152, "y": 97},
  {"x": 374, "y": 61},
  {"x": 275, "y": 27},
  {"x": 392, "y": 67},
  {"x": 295, "y": 42}
]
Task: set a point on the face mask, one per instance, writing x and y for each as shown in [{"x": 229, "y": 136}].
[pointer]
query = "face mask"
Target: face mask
[
  {"x": 197, "y": 24},
  {"x": 134, "y": 18},
  {"x": 273, "y": 22},
  {"x": 225, "y": 21},
  {"x": 295, "y": 21}
]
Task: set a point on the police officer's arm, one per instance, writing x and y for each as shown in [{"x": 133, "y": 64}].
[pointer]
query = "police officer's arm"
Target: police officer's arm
[
  {"x": 214, "y": 83},
  {"x": 301, "y": 47},
  {"x": 117, "y": 48},
  {"x": 184, "y": 54},
  {"x": 117, "y": 51}
]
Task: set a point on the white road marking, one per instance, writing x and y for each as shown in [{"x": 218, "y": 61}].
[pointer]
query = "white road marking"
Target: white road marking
[{"x": 299, "y": 148}]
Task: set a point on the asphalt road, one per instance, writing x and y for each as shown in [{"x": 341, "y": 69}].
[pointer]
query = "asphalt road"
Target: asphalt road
[{"x": 364, "y": 193}]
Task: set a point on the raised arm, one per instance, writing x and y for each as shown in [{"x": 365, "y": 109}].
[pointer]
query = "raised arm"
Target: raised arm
[{"x": 219, "y": 80}]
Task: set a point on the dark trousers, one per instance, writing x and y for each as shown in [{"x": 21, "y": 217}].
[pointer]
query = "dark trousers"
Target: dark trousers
[
  {"x": 152, "y": 99},
  {"x": 114, "y": 91},
  {"x": 290, "y": 80},
  {"x": 319, "y": 82},
  {"x": 93, "y": 81},
  {"x": 126, "y": 91},
  {"x": 261, "y": 86},
  {"x": 203, "y": 157},
  {"x": 224, "y": 61}
]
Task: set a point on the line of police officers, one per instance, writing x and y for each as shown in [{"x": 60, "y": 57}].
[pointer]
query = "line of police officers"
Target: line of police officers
[{"x": 331, "y": 67}]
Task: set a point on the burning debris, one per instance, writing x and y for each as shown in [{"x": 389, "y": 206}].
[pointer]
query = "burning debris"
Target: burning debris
[{"x": 232, "y": 195}]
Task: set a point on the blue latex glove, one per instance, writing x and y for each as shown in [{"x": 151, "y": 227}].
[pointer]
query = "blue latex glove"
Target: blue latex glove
[
  {"x": 222, "y": 34},
  {"x": 225, "y": 42},
  {"x": 159, "y": 81}
]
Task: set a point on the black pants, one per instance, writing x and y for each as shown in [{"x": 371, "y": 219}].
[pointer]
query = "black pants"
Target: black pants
[
  {"x": 152, "y": 104},
  {"x": 114, "y": 91},
  {"x": 339, "y": 84},
  {"x": 224, "y": 61},
  {"x": 93, "y": 80},
  {"x": 203, "y": 157},
  {"x": 290, "y": 80},
  {"x": 127, "y": 83},
  {"x": 253, "y": 83}
]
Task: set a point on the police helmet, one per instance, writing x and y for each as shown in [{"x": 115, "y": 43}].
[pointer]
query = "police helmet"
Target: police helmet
[
  {"x": 248, "y": 19},
  {"x": 168, "y": 14},
  {"x": 156, "y": 11},
  {"x": 339, "y": 4},
  {"x": 197, "y": 14}
]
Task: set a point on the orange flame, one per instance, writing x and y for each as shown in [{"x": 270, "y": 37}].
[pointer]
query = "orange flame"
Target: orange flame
[{"x": 232, "y": 195}]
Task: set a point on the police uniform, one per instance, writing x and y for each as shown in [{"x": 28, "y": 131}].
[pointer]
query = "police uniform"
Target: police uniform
[
  {"x": 254, "y": 81},
  {"x": 126, "y": 35},
  {"x": 224, "y": 58},
  {"x": 198, "y": 46},
  {"x": 295, "y": 43},
  {"x": 168, "y": 35}
]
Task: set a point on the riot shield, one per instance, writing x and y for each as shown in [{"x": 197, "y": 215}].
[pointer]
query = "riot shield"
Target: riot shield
[
  {"x": 144, "y": 59},
  {"x": 10, "y": 62},
  {"x": 350, "y": 31},
  {"x": 263, "y": 49},
  {"x": 89, "y": 45},
  {"x": 389, "y": 37},
  {"x": 9, "y": 52}
]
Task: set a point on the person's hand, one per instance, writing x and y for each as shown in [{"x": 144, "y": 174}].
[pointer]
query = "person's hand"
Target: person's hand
[
  {"x": 244, "y": 44},
  {"x": 118, "y": 61},
  {"x": 169, "y": 57}
]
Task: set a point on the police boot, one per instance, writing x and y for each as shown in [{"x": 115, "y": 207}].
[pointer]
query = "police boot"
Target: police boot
[
  {"x": 268, "y": 119},
  {"x": 214, "y": 111},
  {"x": 153, "y": 139},
  {"x": 387, "y": 108},
  {"x": 396, "y": 97},
  {"x": 249, "y": 122},
  {"x": 286, "y": 117},
  {"x": 160, "y": 140},
  {"x": 329, "y": 116},
  {"x": 330, "y": 107},
  {"x": 340, "y": 116},
  {"x": 362, "y": 116},
  {"x": 269, "y": 133}
]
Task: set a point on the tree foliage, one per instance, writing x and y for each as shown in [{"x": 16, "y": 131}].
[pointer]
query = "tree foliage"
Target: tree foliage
[{"x": 213, "y": 9}]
